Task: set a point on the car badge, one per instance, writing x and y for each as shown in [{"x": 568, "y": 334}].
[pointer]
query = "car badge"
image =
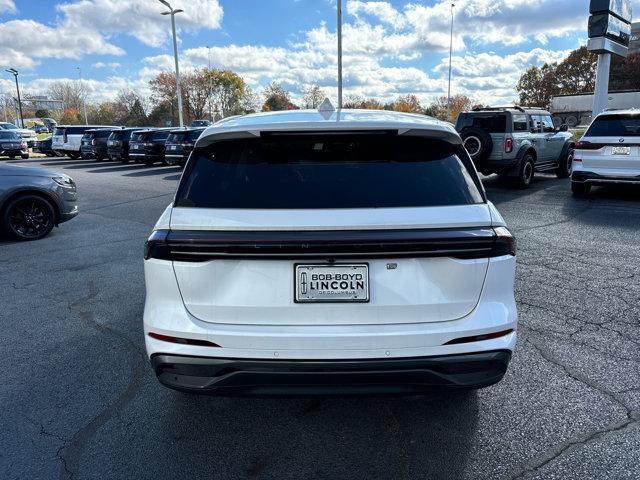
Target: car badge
[{"x": 621, "y": 140}]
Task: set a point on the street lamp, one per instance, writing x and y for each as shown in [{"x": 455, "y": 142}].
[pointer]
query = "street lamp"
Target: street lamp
[
  {"x": 450, "y": 57},
  {"x": 14, "y": 72},
  {"x": 172, "y": 12},
  {"x": 210, "y": 84},
  {"x": 84, "y": 101}
]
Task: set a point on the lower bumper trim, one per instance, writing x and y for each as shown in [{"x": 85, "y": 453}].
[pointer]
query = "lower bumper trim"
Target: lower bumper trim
[
  {"x": 242, "y": 377},
  {"x": 596, "y": 179}
]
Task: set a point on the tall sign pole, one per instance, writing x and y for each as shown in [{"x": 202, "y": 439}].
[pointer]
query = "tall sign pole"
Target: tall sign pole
[
  {"x": 339, "y": 54},
  {"x": 609, "y": 34},
  {"x": 450, "y": 58}
]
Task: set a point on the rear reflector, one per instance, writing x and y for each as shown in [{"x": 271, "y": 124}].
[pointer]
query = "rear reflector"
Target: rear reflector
[
  {"x": 479, "y": 338},
  {"x": 182, "y": 341}
]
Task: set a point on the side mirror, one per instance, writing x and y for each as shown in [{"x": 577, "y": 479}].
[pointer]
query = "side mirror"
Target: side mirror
[{"x": 564, "y": 128}]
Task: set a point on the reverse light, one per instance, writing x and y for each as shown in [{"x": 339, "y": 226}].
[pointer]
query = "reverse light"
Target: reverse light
[
  {"x": 508, "y": 145},
  {"x": 582, "y": 145}
]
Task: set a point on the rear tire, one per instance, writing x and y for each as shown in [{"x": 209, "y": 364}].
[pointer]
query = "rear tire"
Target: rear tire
[
  {"x": 580, "y": 189},
  {"x": 564, "y": 166},
  {"x": 73, "y": 155},
  {"x": 526, "y": 172},
  {"x": 24, "y": 156}
]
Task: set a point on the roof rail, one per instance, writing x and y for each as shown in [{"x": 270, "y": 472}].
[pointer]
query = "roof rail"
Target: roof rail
[{"x": 513, "y": 107}]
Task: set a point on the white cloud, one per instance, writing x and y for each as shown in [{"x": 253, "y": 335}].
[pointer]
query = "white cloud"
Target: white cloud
[
  {"x": 8, "y": 6},
  {"x": 105, "y": 65},
  {"x": 141, "y": 18}
]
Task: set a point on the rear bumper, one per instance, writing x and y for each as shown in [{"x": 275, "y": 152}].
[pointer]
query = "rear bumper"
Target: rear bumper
[
  {"x": 14, "y": 152},
  {"x": 227, "y": 376},
  {"x": 591, "y": 178}
]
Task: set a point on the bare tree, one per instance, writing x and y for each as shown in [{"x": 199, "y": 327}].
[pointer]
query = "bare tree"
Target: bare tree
[
  {"x": 71, "y": 93},
  {"x": 313, "y": 96}
]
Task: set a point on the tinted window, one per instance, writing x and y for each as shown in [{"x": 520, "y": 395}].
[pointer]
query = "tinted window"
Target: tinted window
[
  {"x": 140, "y": 137},
  {"x": 491, "y": 123},
  {"x": 176, "y": 137},
  {"x": 75, "y": 130},
  {"x": 615, "y": 126},
  {"x": 9, "y": 126},
  {"x": 161, "y": 135},
  {"x": 537, "y": 123},
  {"x": 7, "y": 135},
  {"x": 329, "y": 171},
  {"x": 193, "y": 136},
  {"x": 547, "y": 124},
  {"x": 520, "y": 123},
  {"x": 59, "y": 131},
  {"x": 103, "y": 133}
]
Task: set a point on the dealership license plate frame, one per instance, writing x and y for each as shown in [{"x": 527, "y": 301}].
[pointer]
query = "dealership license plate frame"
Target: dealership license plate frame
[
  {"x": 621, "y": 151},
  {"x": 364, "y": 297}
]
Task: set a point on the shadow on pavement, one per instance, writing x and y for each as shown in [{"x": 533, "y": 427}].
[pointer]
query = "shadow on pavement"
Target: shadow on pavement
[
  {"x": 413, "y": 437},
  {"x": 149, "y": 171}
]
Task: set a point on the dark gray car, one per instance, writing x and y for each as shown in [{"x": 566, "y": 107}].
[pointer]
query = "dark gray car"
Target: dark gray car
[{"x": 34, "y": 200}]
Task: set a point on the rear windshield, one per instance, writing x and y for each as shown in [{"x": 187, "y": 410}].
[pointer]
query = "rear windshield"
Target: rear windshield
[
  {"x": 161, "y": 135},
  {"x": 88, "y": 136},
  {"x": 193, "y": 136},
  {"x": 176, "y": 137},
  {"x": 140, "y": 137},
  {"x": 59, "y": 131},
  {"x": 490, "y": 122},
  {"x": 615, "y": 126},
  {"x": 102, "y": 133},
  {"x": 7, "y": 135},
  {"x": 329, "y": 171},
  {"x": 76, "y": 130}
]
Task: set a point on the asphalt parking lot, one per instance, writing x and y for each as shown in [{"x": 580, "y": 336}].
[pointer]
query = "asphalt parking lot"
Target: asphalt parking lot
[{"x": 78, "y": 399}]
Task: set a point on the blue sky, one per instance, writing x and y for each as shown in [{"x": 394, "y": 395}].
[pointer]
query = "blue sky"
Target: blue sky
[{"x": 391, "y": 47}]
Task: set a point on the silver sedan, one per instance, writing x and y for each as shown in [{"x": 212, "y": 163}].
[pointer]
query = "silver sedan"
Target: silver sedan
[{"x": 34, "y": 200}]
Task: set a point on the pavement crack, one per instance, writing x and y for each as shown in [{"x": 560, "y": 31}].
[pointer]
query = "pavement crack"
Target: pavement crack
[
  {"x": 631, "y": 417},
  {"x": 71, "y": 452}
]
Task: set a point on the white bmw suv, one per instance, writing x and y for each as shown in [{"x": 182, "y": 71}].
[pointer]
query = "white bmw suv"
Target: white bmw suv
[
  {"x": 608, "y": 153},
  {"x": 313, "y": 253}
]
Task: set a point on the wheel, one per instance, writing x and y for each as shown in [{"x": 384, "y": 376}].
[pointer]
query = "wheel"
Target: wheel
[
  {"x": 29, "y": 217},
  {"x": 526, "y": 172},
  {"x": 73, "y": 155},
  {"x": 11, "y": 157},
  {"x": 148, "y": 161},
  {"x": 478, "y": 144},
  {"x": 564, "y": 166},
  {"x": 99, "y": 158},
  {"x": 24, "y": 156},
  {"x": 572, "y": 121},
  {"x": 124, "y": 159},
  {"x": 557, "y": 121},
  {"x": 580, "y": 189}
]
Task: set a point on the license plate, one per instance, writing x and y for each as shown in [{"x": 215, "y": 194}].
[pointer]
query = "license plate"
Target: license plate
[
  {"x": 135, "y": 147},
  {"x": 332, "y": 283},
  {"x": 173, "y": 147},
  {"x": 621, "y": 150}
]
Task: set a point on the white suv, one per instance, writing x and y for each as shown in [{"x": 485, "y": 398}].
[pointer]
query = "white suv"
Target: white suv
[
  {"x": 349, "y": 252},
  {"x": 608, "y": 153}
]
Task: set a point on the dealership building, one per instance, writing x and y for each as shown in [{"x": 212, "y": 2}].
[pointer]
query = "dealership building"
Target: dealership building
[{"x": 634, "y": 45}]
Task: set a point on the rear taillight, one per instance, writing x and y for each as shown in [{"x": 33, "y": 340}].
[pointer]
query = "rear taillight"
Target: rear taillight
[
  {"x": 504, "y": 244},
  {"x": 156, "y": 246},
  {"x": 23, "y": 144},
  {"x": 508, "y": 145},
  {"x": 93, "y": 142},
  {"x": 588, "y": 146}
]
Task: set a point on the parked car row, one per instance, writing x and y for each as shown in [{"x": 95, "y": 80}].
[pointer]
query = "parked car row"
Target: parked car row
[{"x": 169, "y": 146}]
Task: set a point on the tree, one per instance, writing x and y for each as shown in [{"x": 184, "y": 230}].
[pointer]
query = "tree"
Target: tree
[
  {"x": 406, "y": 103},
  {"x": 625, "y": 73},
  {"x": 129, "y": 108},
  {"x": 538, "y": 85},
  {"x": 70, "y": 116},
  {"x": 70, "y": 92},
  {"x": 358, "y": 102},
  {"x": 313, "y": 96},
  {"x": 277, "y": 98},
  {"x": 229, "y": 93},
  {"x": 102, "y": 114},
  {"x": 577, "y": 73},
  {"x": 442, "y": 110}
]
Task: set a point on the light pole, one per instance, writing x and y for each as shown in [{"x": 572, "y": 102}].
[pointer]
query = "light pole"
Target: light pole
[
  {"x": 210, "y": 84},
  {"x": 173, "y": 12},
  {"x": 84, "y": 101},
  {"x": 339, "y": 54},
  {"x": 14, "y": 72},
  {"x": 450, "y": 58}
]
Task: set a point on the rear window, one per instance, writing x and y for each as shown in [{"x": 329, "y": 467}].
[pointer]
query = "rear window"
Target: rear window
[
  {"x": 88, "y": 136},
  {"x": 102, "y": 133},
  {"x": 176, "y": 137},
  {"x": 140, "y": 137},
  {"x": 8, "y": 135},
  {"x": 193, "y": 136},
  {"x": 490, "y": 122},
  {"x": 160, "y": 135},
  {"x": 59, "y": 131},
  {"x": 520, "y": 123},
  {"x": 329, "y": 171},
  {"x": 76, "y": 130},
  {"x": 615, "y": 126}
]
